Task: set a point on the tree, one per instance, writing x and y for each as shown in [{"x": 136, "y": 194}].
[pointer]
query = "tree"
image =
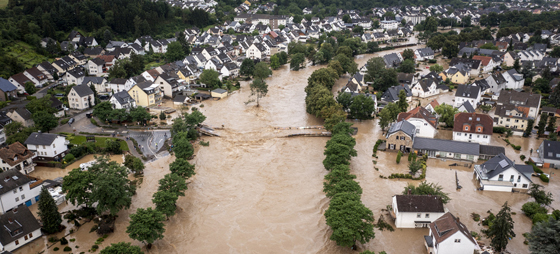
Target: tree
[
  {"x": 274, "y": 62},
  {"x": 542, "y": 124},
  {"x": 173, "y": 183},
  {"x": 436, "y": 68},
  {"x": 349, "y": 220},
  {"x": 259, "y": 89},
  {"x": 555, "y": 52},
  {"x": 414, "y": 166},
  {"x": 137, "y": 114},
  {"x": 121, "y": 248},
  {"x": 78, "y": 187},
  {"x": 408, "y": 54},
  {"x": 430, "y": 24},
  {"x": 388, "y": 115},
  {"x": 133, "y": 163},
  {"x": 195, "y": 118},
  {"x": 447, "y": 114},
  {"x": 532, "y": 208},
  {"x": 184, "y": 44},
  {"x": 489, "y": 45},
  {"x": 162, "y": 116},
  {"x": 344, "y": 99},
  {"x": 529, "y": 128},
  {"x": 335, "y": 65},
  {"x": 551, "y": 127},
  {"x": 388, "y": 79},
  {"x": 540, "y": 195},
  {"x": 336, "y": 175},
  {"x": 182, "y": 146},
  {"x": 450, "y": 49},
  {"x": 165, "y": 202},
  {"x": 146, "y": 225},
  {"x": 517, "y": 65},
  {"x": 45, "y": 121},
  {"x": 261, "y": 71},
  {"x": 543, "y": 238},
  {"x": 555, "y": 97},
  {"x": 346, "y": 18},
  {"x": 425, "y": 188},
  {"x": 403, "y": 105},
  {"x": 113, "y": 146},
  {"x": 30, "y": 88},
  {"x": 43, "y": 104},
  {"x": 175, "y": 52},
  {"x": 407, "y": 66},
  {"x": 210, "y": 78},
  {"x": 502, "y": 230},
  {"x": 345, "y": 50},
  {"x": 347, "y": 63},
  {"x": 283, "y": 57},
  {"x": 247, "y": 67},
  {"x": 48, "y": 212},
  {"x": 362, "y": 107},
  {"x": 297, "y": 61},
  {"x": 182, "y": 168},
  {"x": 375, "y": 66},
  {"x": 344, "y": 186}
]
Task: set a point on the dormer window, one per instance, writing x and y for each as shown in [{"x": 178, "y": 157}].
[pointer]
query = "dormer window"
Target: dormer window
[{"x": 466, "y": 128}]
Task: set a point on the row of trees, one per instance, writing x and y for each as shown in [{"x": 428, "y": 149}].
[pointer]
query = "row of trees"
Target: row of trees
[
  {"x": 105, "y": 112},
  {"x": 319, "y": 100}
]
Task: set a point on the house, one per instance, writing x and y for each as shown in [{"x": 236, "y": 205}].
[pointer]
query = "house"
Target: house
[
  {"x": 484, "y": 86},
  {"x": 468, "y": 93},
  {"x": 449, "y": 235},
  {"x": 400, "y": 136},
  {"x": 47, "y": 69},
  {"x": 20, "y": 227},
  {"x": 389, "y": 24},
  {"x": 473, "y": 127},
  {"x": 392, "y": 60},
  {"x": 19, "y": 81},
  {"x": 548, "y": 154},
  {"x": 527, "y": 102},
  {"x": 497, "y": 82},
  {"x": 146, "y": 94},
  {"x": 416, "y": 211},
  {"x": 486, "y": 62},
  {"x": 458, "y": 74},
  {"x": 472, "y": 64},
  {"x": 96, "y": 67},
  {"x": 424, "y": 54},
  {"x": 21, "y": 115},
  {"x": 122, "y": 100},
  {"x": 514, "y": 80},
  {"x": 501, "y": 174},
  {"x": 512, "y": 117},
  {"x": 36, "y": 76},
  {"x": 81, "y": 97},
  {"x": 7, "y": 90},
  {"x": 447, "y": 149},
  {"x": 466, "y": 107},
  {"x": 424, "y": 121},
  {"x": 431, "y": 107},
  {"x": 425, "y": 88},
  {"x": 47, "y": 146},
  {"x": 119, "y": 84},
  {"x": 219, "y": 93},
  {"x": 4, "y": 120},
  {"x": 168, "y": 84},
  {"x": 17, "y": 157},
  {"x": 74, "y": 76},
  {"x": 78, "y": 57},
  {"x": 392, "y": 94},
  {"x": 181, "y": 100},
  {"x": 256, "y": 51},
  {"x": 17, "y": 189},
  {"x": 230, "y": 70},
  {"x": 99, "y": 83},
  {"x": 59, "y": 106}
]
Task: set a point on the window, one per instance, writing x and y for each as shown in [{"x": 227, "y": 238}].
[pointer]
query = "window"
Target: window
[
  {"x": 15, "y": 191},
  {"x": 20, "y": 188},
  {"x": 511, "y": 178},
  {"x": 427, "y": 215},
  {"x": 53, "y": 145},
  {"x": 418, "y": 215},
  {"x": 25, "y": 237},
  {"x": 17, "y": 242},
  {"x": 23, "y": 197},
  {"x": 17, "y": 199},
  {"x": 525, "y": 186},
  {"x": 458, "y": 134},
  {"x": 30, "y": 235},
  {"x": 466, "y": 128},
  {"x": 519, "y": 178},
  {"x": 418, "y": 131},
  {"x": 402, "y": 138},
  {"x": 501, "y": 177},
  {"x": 397, "y": 137},
  {"x": 458, "y": 240},
  {"x": 485, "y": 136}
]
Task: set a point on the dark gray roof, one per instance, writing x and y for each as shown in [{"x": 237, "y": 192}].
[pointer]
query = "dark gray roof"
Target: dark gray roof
[
  {"x": 482, "y": 83},
  {"x": 501, "y": 163},
  {"x": 468, "y": 107},
  {"x": 392, "y": 94},
  {"x": 471, "y": 63},
  {"x": 427, "y": 51},
  {"x": 179, "y": 98},
  {"x": 392, "y": 60},
  {"x": 12, "y": 221},
  {"x": 404, "y": 126},
  {"x": 468, "y": 91},
  {"x": 551, "y": 150},
  {"x": 12, "y": 179},
  {"x": 123, "y": 97},
  {"x": 419, "y": 203},
  {"x": 24, "y": 113},
  {"x": 82, "y": 90},
  {"x": 450, "y": 146},
  {"x": 491, "y": 150},
  {"x": 93, "y": 80},
  {"x": 39, "y": 138},
  {"x": 76, "y": 72},
  {"x": 219, "y": 90},
  {"x": 516, "y": 76}
]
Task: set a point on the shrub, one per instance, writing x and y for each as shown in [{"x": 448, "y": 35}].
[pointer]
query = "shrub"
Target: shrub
[
  {"x": 432, "y": 61},
  {"x": 30, "y": 98},
  {"x": 475, "y": 216},
  {"x": 56, "y": 249},
  {"x": 64, "y": 121},
  {"x": 53, "y": 239},
  {"x": 379, "y": 141},
  {"x": 69, "y": 157},
  {"x": 399, "y": 155},
  {"x": 63, "y": 241},
  {"x": 535, "y": 168},
  {"x": 67, "y": 248},
  {"x": 532, "y": 208},
  {"x": 544, "y": 178},
  {"x": 94, "y": 122},
  {"x": 499, "y": 130},
  {"x": 73, "y": 240},
  {"x": 540, "y": 217},
  {"x": 522, "y": 157},
  {"x": 202, "y": 143}
]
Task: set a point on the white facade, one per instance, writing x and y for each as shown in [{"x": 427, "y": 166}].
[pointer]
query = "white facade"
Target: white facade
[
  {"x": 18, "y": 196},
  {"x": 409, "y": 220},
  {"x": 423, "y": 128},
  {"x": 459, "y": 100},
  {"x": 389, "y": 24},
  {"x": 23, "y": 240},
  {"x": 472, "y": 137},
  {"x": 457, "y": 243},
  {"x": 58, "y": 147},
  {"x": 253, "y": 52},
  {"x": 417, "y": 90},
  {"x": 94, "y": 69}
]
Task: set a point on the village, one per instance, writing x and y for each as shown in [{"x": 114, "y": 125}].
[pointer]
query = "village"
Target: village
[{"x": 462, "y": 131}]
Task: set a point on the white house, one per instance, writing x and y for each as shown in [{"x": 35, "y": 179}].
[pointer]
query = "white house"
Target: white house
[
  {"x": 95, "y": 67},
  {"x": 122, "y": 100},
  {"x": 501, "y": 174},
  {"x": 449, "y": 236},
  {"x": 256, "y": 51},
  {"x": 468, "y": 93},
  {"x": 514, "y": 80},
  {"x": 47, "y": 146},
  {"x": 497, "y": 82},
  {"x": 424, "y": 54},
  {"x": 389, "y": 24},
  {"x": 19, "y": 227},
  {"x": 74, "y": 76},
  {"x": 422, "y": 119},
  {"x": 81, "y": 97},
  {"x": 425, "y": 88},
  {"x": 119, "y": 84},
  {"x": 17, "y": 157},
  {"x": 416, "y": 211},
  {"x": 16, "y": 190},
  {"x": 473, "y": 127}
]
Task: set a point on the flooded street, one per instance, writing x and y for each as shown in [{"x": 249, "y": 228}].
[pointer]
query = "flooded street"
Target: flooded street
[{"x": 257, "y": 192}]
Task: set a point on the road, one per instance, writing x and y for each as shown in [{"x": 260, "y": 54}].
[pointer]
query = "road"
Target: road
[{"x": 151, "y": 141}]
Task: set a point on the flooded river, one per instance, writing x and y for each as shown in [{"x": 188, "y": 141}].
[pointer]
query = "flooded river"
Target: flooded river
[{"x": 257, "y": 192}]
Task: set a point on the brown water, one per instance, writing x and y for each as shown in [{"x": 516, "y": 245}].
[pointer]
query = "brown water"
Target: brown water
[{"x": 256, "y": 192}]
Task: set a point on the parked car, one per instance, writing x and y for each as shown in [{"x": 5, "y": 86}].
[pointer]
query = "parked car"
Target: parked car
[
  {"x": 103, "y": 97},
  {"x": 71, "y": 121}
]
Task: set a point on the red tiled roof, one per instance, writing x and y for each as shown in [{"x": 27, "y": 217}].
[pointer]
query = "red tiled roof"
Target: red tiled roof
[
  {"x": 473, "y": 119},
  {"x": 418, "y": 112},
  {"x": 434, "y": 103},
  {"x": 446, "y": 226},
  {"x": 485, "y": 60}
]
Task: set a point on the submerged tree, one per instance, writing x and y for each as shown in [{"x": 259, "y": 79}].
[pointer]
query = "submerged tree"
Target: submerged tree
[
  {"x": 121, "y": 248},
  {"x": 502, "y": 230},
  {"x": 349, "y": 220},
  {"x": 146, "y": 225},
  {"x": 48, "y": 212},
  {"x": 259, "y": 89}
]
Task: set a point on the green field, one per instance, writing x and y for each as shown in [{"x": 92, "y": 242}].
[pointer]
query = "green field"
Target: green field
[
  {"x": 3, "y": 3},
  {"x": 25, "y": 53},
  {"x": 99, "y": 141}
]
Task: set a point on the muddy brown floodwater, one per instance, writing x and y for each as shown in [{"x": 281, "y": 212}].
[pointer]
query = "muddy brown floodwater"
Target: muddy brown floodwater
[{"x": 257, "y": 192}]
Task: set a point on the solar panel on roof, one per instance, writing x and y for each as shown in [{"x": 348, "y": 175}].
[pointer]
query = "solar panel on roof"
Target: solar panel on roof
[{"x": 503, "y": 163}]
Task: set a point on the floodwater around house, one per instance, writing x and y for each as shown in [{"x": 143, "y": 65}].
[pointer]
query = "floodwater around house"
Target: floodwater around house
[{"x": 256, "y": 191}]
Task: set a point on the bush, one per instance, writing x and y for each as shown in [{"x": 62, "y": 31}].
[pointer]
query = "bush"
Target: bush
[
  {"x": 399, "y": 155},
  {"x": 63, "y": 241},
  {"x": 379, "y": 141},
  {"x": 499, "y": 130},
  {"x": 532, "y": 208},
  {"x": 544, "y": 178},
  {"x": 535, "y": 168},
  {"x": 64, "y": 121},
  {"x": 432, "y": 61},
  {"x": 30, "y": 98},
  {"x": 522, "y": 157},
  {"x": 53, "y": 239},
  {"x": 540, "y": 217},
  {"x": 69, "y": 157},
  {"x": 67, "y": 248},
  {"x": 94, "y": 122},
  {"x": 56, "y": 249},
  {"x": 475, "y": 216}
]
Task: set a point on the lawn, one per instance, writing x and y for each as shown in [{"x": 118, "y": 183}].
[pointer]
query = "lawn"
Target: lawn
[
  {"x": 3, "y": 3},
  {"x": 99, "y": 141},
  {"x": 25, "y": 53}
]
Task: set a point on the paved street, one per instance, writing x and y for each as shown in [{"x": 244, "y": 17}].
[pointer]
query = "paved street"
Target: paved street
[{"x": 150, "y": 141}]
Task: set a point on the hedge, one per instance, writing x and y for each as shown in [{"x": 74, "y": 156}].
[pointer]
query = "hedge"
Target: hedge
[
  {"x": 379, "y": 141},
  {"x": 544, "y": 178},
  {"x": 500, "y": 130},
  {"x": 399, "y": 155},
  {"x": 535, "y": 168}
]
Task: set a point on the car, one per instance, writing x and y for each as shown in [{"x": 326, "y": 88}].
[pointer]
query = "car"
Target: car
[
  {"x": 103, "y": 97},
  {"x": 59, "y": 95},
  {"x": 71, "y": 121}
]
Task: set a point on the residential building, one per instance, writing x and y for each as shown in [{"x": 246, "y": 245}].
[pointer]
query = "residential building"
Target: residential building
[
  {"x": 219, "y": 93},
  {"x": 401, "y": 136},
  {"x": 389, "y": 24},
  {"x": 168, "y": 84},
  {"x": 458, "y": 74},
  {"x": 122, "y": 100},
  {"x": 416, "y": 211},
  {"x": 473, "y": 127},
  {"x": 512, "y": 117},
  {"x": 17, "y": 189},
  {"x": 526, "y": 102},
  {"x": 431, "y": 107},
  {"x": 449, "y": 236},
  {"x": 447, "y": 149},
  {"x": 19, "y": 80},
  {"x": 74, "y": 76},
  {"x": 497, "y": 82},
  {"x": 502, "y": 174},
  {"x": 36, "y": 76},
  {"x": 468, "y": 93},
  {"x": 146, "y": 94},
  {"x": 514, "y": 80},
  {"x": 486, "y": 62},
  {"x": 425, "y": 88},
  {"x": 472, "y": 64},
  {"x": 81, "y": 97},
  {"x": 47, "y": 146},
  {"x": 392, "y": 60},
  {"x": 392, "y": 94},
  {"x": 19, "y": 227},
  {"x": 424, "y": 54},
  {"x": 271, "y": 20},
  {"x": 99, "y": 83},
  {"x": 21, "y": 115},
  {"x": 424, "y": 122},
  {"x": 548, "y": 154},
  {"x": 7, "y": 90},
  {"x": 17, "y": 157},
  {"x": 119, "y": 84},
  {"x": 4, "y": 120},
  {"x": 256, "y": 51},
  {"x": 96, "y": 67},
  {"x": 466, "y": 107}
]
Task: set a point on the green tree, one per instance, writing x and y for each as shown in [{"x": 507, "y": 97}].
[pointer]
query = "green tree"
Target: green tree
[
  {"x": 555, "y": 52},
  {"x": 532, "y": 208},
  {"x": 121, "y": 248},
  {"x": 45, "y": 121},
  {"x": 345, "y": 50},
  {"x": 362, "y": 107},
  {"x": 502, "y": 230},
  {"x": 138, "y": 114},
  {"x": 335, "y": 65},
  {"x": 436, "y": 68},
  {"x": 21, "y": 136},
  {"x": 146, "y": 225},
  {"x": 48, "y": 212},
  {"x": 297, "y": 61},
  {"x": 175, "y": 52},
  {"x": 318, "y": 99},
  {"x": 346, "y": 18},
  {"x": 247, "y": 67},
  {"x": 529, "y": 128},
  {"x": 30, "y": 88},
  {"x": 447, "y": 114},
  {"x": 430, "y": 24},
  {"x": 414, "y": 166},
  {"x": 113, "y": 146},
  {"x": 259, "y": 89},
  {"x": 408, "y": 54},
  {"x": 347, "y": 63},
  {"x": 345, "y": 186},
  {"x": 166, "y": 202},
  {"x": 450, "y": 49},
  {"x": 388, "y": 115},
  {"x": 322, "y": 77},
  {"x": 489, "y": 45},
  {"x": 336, "y": 175},
  {"x": 173, "y": 183},
  {"x": 387, "y": 79},
  {"x": 375, "y": 66},
  {"x": 210, "y": 78},
  {"x": 540, "y": 195},
  {"x": 403, "y": 105},
  {"x": 542, "y": 124},
  {"x": 425, "y": 188},
  {"x": 162, "y": 116},
  {"x": 182, "y": 146},
  {"x": 186, "y": 46},
  {"x": 43, "y": 104},
  {"x": 283, "y": 57},
  {"x": 194, "y": 119},
  {"x": 344, "y": 99},
  {"x": 349, "y": 220},
  {"x": 261, "y": 71},
  {"x": 78, "y": 187},
  {"x": 274, "y": 62},
  {"x": 517, "y": 65},
  {"x": 543, "y": 238},
  {"x": 133, "y": 163},
  {"x": 407, "y": 66},
  {"x": 182, "y": 168},
  {"x": 551, "y": 127}
]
